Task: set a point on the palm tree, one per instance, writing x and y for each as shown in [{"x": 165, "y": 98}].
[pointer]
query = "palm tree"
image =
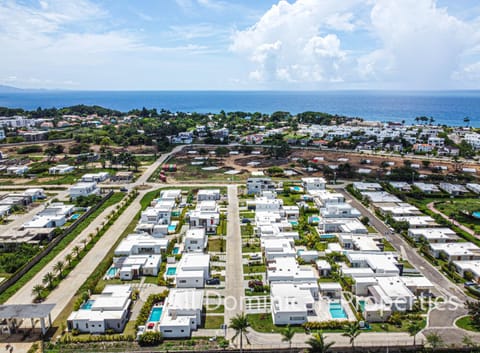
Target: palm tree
[
  {"x": 240, "y": 324},
  {"x": 352, "y": 331},
  {"x": 37, "y": 291},
  {"x": 317, "y": 343},
  {"x": 434, "y": 340},
  {"x": 287, "y": 336},
  {"x": 413, "y": 328},
  {"x": 58, "y": 267},
  {"x": 69, "y": 259},
  {"x": 48, "y": 279},
  {"x": 76, "y": 250}
]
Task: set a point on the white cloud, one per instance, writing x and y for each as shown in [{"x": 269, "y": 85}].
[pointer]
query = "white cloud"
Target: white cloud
[{"x": 289, "y": 43}]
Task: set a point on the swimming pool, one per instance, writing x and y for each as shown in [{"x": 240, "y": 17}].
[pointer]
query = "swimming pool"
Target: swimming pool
[
  {"x": 314, "y": 219},
  {"x": 476, "y": 214},
  {"x": 172, "y": 228},
  {"x": 361, "y": 303},
  {"x": 155, "y": 314},
  {"x": 112, "y": 271},
  {"x": 171, "y": 271},
  {"x": 336, "y": 311},
  {"x": 74, "y": 216},
  {"x": 294, "y": 223},
  {"x": 296, "y": 188},
  {"x": 327, "y": 236},
  {"x": 87, "y": 305},
  {"x": 176, "y": 250}
]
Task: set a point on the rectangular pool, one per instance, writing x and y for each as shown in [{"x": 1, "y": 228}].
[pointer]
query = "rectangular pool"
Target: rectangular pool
[
  {"x": 88, "y": 305},
  {"x": 176, "y": 250},
  {"x": 171, "y": 271},
  {"x": 75, "y": 216},
  {"x": 112, "y": 271},
  {"x": 337, "y": 312},
  {"x": 172, "y": 228},
  {"x": 155, "y": 314},
  {"x": 327, "y": 236}
]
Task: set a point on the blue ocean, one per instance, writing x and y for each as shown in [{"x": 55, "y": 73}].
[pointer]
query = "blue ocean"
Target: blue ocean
[{"x": 446, "y": 107}]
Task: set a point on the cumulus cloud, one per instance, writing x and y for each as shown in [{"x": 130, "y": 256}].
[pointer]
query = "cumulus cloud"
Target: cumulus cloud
[
  {"x": 407, "y": 44},
  {"x": 288, "y": 43}
]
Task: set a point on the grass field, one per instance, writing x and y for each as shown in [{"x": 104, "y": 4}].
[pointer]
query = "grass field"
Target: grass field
[
  {"x": 466, "y": 324},
  {"x": 213, "y": 321},
  {"x": 460, "y": 210}
]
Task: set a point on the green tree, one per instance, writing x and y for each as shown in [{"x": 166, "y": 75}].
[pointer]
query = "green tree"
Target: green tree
[
  {"x": 58, "y": 267},
  {"x": 317, "y": 343},
  {"x": 352, "y": 331},
  {"x": 48, "y": 279},
  {"x": 413, "y": 328},
  {"x": 69, "y": 259},
  {"x": 287, "y": 335},
  {"x": 240, "y": 325},
  {"x": 434, "y": 340},
  {"x": 150, "y": 338},
  {"x": 474, "y": 312},
  {"x": 37, "y": 291},
  {"x": 76, "y": 251}
]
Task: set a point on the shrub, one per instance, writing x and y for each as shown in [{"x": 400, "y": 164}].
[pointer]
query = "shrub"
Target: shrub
[
  {"x": 147, "y": 306},
  {"x": 325, "y": 325},
  {"x": 150, "y": 338}
]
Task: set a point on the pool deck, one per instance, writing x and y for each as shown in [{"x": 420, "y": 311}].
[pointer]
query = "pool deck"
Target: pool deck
[{"x": 322, "y": 311}]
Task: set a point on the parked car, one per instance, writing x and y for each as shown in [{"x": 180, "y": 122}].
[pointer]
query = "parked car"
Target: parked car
[
  {"x": 212, "y": 281},
  {"x": 255, "y": 257}
]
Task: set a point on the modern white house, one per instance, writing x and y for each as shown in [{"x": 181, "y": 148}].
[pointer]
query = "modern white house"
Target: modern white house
[
  {"x": 83, "y": 189},
  {"x": 360, "y": 242},
  {"x": 195, "y": 240},
  {"x": 275, "y": 248},
  {"x": 341, "y": 210},
  {"x": 426, "y": 187},
  {"x": 370, "y": 187},
  {"x": 292, "y": 303},
  {"x": 95, "y": 177},
  {"x": 17, "y": 170},
  {"x": 206, "y": 215},
  {"x": 138, "y": 244},
  {"x": 463, "y": 251},
  {"x": 379, "y": 263},
  {"x": 470, "y": 269},
  {"x": 208, "y": 195},
  {"x": 380, "y": 197},
  {"x": 453, "y": 189},
  {"x": 161, "y": 213},
  {"x": 192, "y": 270},
  {"x": 433, "y": 235},
  {"x": 474, "y": 187},
  {"x": 61, "y": 169},
  {"x": 181, "y": 313},
  {"x": 418, "y": 221},
  {"x": 35, "y": 194},
  {"x": 171, "y": 195},
  {"x": 133, "y": 266},
  {"x": 257, "y": 185},
  {"x": 311, "y": 184},
  {"x": 287, "y": 269},
  {"x": 106, "y": 311}
]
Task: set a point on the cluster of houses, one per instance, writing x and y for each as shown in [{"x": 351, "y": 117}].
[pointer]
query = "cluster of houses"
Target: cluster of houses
[
  {"x": 301, "y": 292},
  {"x": 88, "y": 185},
  {"x": 142, "y": 254}
]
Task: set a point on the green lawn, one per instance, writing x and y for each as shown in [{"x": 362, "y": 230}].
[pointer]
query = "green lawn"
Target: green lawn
[
  {"x": 215, "y": 309},
  {"x": 213, "y": 321},
  {"x": 466, "y": 324},
  {"x": 461, "y": 210},
  {"x": 264, "y": 323},
  {"x": 254, "y": 268},
  {"x": 384, "y": 327},
  {"x": 217, "y": 245}
]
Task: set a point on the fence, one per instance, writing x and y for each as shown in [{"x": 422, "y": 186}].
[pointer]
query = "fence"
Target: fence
[{"x": 28, "y": 266}]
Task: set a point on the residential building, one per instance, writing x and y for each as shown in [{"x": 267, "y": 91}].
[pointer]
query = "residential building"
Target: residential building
[
  {"x": 426, "y": 188},
  {"x": 139, "y": 244},
  {"x": 61, "y": 169},
  {"x": 106, "y": 311},
  {"x": 463, "y": 251},
  {"x": 208, "y": 195},
  {"x": 133, "y": 266},
  {"x": 83, "y": 189},
  {"x": 311, "y": 184},
  {"x": 292, "y": 303},
  {"x": 287, "y": 269},
  {"x": 195, "y": 240},
  {"x": 206, "y": 215},
  {"x": 95, "y": 177},
  {"x": 257, "y": 185},
  {"x": 433, "y": 235},
  {"x": 192, "y": 270},
  {"x": 453, "y": 189},
  {"x": 17, "y": 170}
]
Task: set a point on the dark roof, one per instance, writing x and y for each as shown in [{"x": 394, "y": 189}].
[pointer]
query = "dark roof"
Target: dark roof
[{"x": 25, "y": 311}]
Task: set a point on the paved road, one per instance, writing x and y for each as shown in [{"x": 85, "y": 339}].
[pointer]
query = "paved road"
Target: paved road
[
  {"x": 445, "y": 314},
  {"x": 234, "y": 270}
]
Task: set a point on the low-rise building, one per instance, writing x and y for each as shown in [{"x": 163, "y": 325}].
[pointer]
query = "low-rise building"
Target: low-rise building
[
  {"x": 368, "y": 187},
  {"x": 287, "y": 269},
  {"x": 426, "y": 188},
  {"x": 208, "y": 195},
  {"x": 474, "y": 187},
  {"x": 95, "y": 177},
  {"x": 83, "y": 189},
  {"x": 453, "y": 189},
  {"x": 206, "y": 215},
  {"x": 17, "y": 170},
  {"x": 107, "y": 311},
  {"x": 380, "y": 197},
  {"x": 292, "y": 303},
  {"x": 195, "y": 240},
  {"x": 133, "y": 266},
  {"x": 192, "y": 270},
  {"x": 139, "y": 244},
  {"x": 463, "y": 251},
  {"x": 61, "y": 169},
  {"x": 311, "y": 184},
  {"x": 433, "y": 235},
  {"x": 469, "y": 269},
  {"x": 257, "y": 185}
]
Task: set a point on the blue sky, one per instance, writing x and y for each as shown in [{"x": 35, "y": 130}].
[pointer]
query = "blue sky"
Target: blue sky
[{"x": 240, "y": 45}]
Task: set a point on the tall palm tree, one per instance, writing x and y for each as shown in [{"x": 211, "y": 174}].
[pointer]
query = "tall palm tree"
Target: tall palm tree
[
  {"x": 434, "y": 340},
  {"x": 37, "y": 291},
  {"x": 240, "y": 324},
  {"x": 352, "y": 331},
  {"x": 48, "y": 279},
  {"x": 414, "y": 327},
  {"x": 58, "y": 267},
  {"x": 317, "y": 343},
  {"x": 287, "y": 336},
  {"x": 76, "y": 250},
  {"x": 69, "y": 259}
]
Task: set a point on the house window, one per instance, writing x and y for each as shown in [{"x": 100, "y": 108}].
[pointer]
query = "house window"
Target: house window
[
  {"x": 182, "y": 330},
  {"x": 118, "y": 325},
  {"x": 167, "y": 331},
  {"x": 183, "y": 281},
  {"x": 86, "y": 325}
]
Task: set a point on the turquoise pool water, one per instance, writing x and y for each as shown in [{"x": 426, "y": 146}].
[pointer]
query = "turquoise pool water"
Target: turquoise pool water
[
  {"x": 112, "y": 271},
  {"x": 294, "y": 223},
  {"x": 336, "y": 311},
  {"x": 176, "y": 250},
  {"x": 476, "y": 214},
  {"x": 297, "y": 188},
  {"x": 361, "y": 303},
  {"x": 172, "y": 228},
  {"x": 327, "y": 236},
  {"x": 171, "y": 271},
  {"x": 74, "y": 216},
  {"x": 87, "y": 305},
  {"x": 155, "y": 314},
  {"x": 314, "y": 219}
]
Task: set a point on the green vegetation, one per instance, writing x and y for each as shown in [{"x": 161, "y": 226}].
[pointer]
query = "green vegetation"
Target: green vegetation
[
  {"x": 466, "y": 323},
  {"x": 217, "y": 245},
  {"x": 461, "y": 210},
  {"x": 147, "y": 307},
  {"x": 17, "y": 256},
  {"x": 264, "y": 323},
  {"x": 213, "y": 321},
  {"x": 115, "y": 198}
]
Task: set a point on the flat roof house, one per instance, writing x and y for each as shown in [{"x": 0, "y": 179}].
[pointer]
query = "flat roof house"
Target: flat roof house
[
  {"x": 257, "y": 185},
  {"x": 182, "y": 313},
  {"x": 453, "y": 189},
  {"x": 455, "y": 251},
  {"x": 192, "y": 270},
  {"x": 311, "y": 184},
  {"x": 95, "y": 177},
  {"x": 434, "y": 235},
  {"x": 426, "y": 188},
  {"x": 208, "y": 195},
  {"x": 195, "y": 240},
  {"x": 106, "y": 311},
  {"x": 287, "y": 269},
  {"x": 292, "y": 303},
  {"x": 61, "y": 169},
  {"x": 138, "y": 244},
  {"x": 83, "y": 189}
]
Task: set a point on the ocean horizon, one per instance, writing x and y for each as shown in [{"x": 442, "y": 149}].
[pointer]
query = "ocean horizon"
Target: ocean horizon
[{"x": 446, "y": 107}]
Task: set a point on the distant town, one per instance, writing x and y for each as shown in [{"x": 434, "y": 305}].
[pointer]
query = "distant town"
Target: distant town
[{"x": 173, "y": 231}]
